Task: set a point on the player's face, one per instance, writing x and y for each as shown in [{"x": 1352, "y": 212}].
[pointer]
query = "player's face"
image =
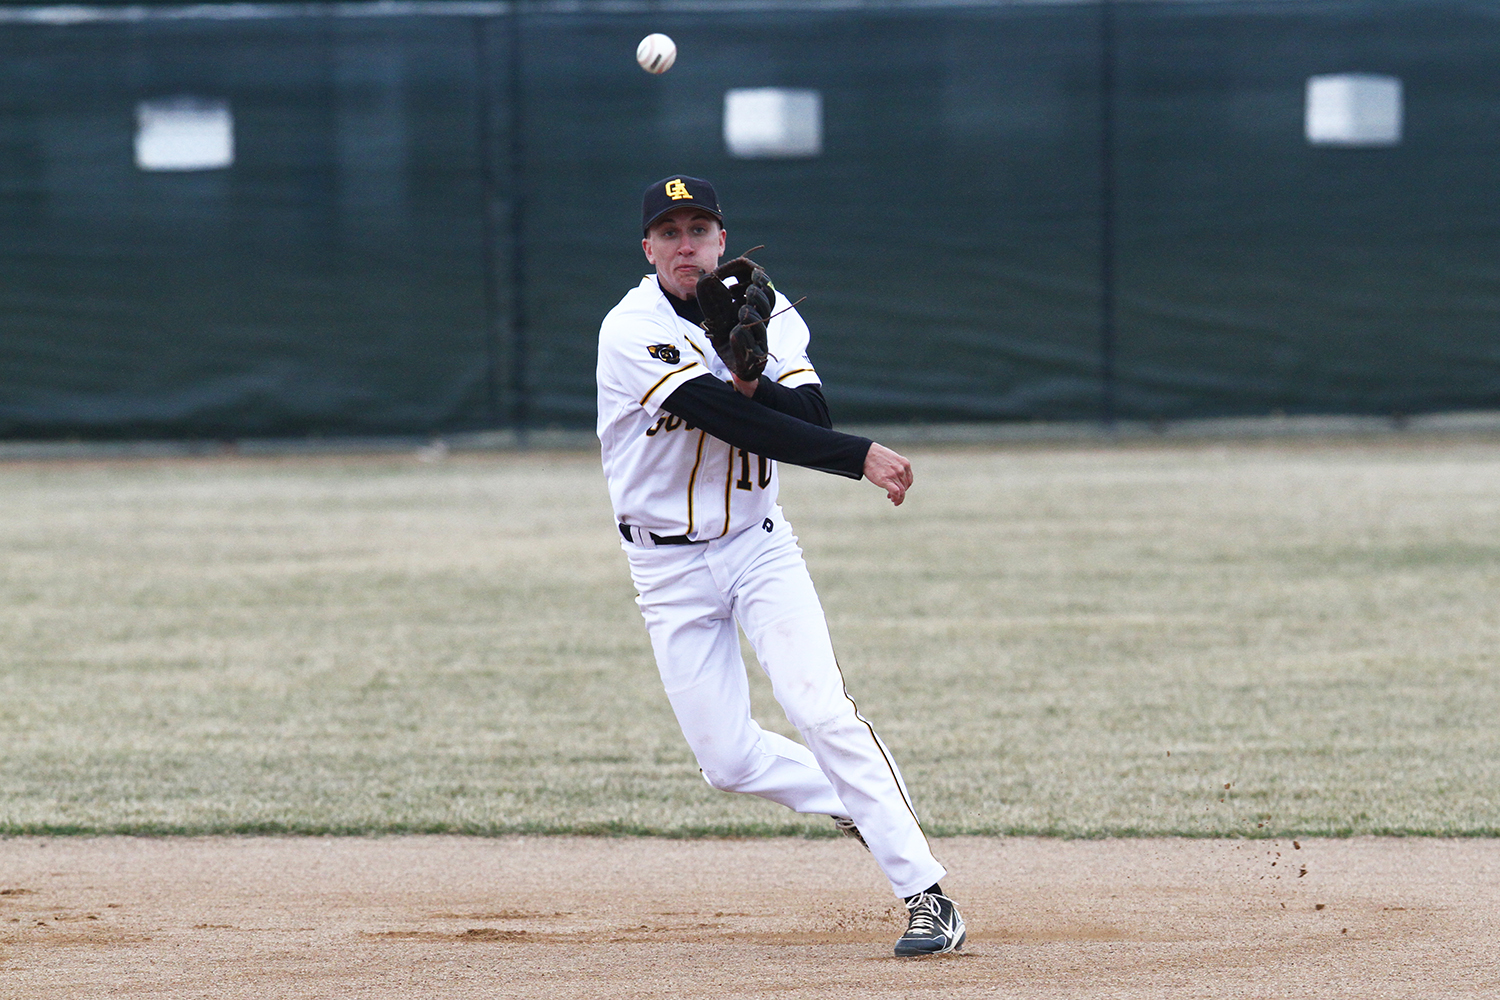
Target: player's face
[{"x": 683, "y": 244}]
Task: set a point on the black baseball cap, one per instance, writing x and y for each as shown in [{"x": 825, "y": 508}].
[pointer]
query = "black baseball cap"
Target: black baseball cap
[{"x": 678, "y": 191}]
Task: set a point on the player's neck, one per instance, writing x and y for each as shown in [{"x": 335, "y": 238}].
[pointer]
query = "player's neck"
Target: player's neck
[{"x": 688, "y": 309}]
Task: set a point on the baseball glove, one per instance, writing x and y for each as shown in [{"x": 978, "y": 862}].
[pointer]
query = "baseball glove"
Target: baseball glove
[{"x": 735, "y": 315}]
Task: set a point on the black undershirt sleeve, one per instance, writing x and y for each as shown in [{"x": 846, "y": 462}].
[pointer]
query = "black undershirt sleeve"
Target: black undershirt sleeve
[
  {"x": 805, "y": 402},
  {"x": 715, "y": 407}
]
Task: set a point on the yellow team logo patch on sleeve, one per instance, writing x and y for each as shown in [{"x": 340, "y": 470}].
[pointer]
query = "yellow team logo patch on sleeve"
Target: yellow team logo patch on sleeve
[
  {"x": 676, "y": 190},
  {"x": 665, "y": 352}
]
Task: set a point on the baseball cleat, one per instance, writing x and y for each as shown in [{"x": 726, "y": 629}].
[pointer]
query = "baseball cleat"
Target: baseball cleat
[
  {"x": 934, "y": 926},
  {"x": 846, "y": 826}
]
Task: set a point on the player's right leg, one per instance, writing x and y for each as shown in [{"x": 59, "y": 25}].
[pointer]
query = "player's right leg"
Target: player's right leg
[{"x": 696, "y": 643}]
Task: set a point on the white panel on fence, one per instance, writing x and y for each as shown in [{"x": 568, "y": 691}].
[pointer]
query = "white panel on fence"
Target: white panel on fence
[
  {"x": 1353, "y": 109},
  {"x": 183, "y": 133},
  {"x": 766, "y": 122}
]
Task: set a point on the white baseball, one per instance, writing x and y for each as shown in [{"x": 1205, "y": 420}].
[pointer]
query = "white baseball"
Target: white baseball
[{"x": 656, "y": 53}]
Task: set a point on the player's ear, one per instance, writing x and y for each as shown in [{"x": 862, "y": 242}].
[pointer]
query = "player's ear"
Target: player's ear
[
  {"x": 646, "y": 249},
  {"x": 723, "y": 239}
]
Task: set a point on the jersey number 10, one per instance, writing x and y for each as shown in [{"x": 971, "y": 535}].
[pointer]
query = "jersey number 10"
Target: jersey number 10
[{"x": 764, "y": 471}]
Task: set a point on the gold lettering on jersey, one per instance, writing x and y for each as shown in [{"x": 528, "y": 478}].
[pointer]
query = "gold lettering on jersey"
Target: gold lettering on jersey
[
  {"x": 676, "y": 190},
  {"x": 667, "y": 422},
  {"x": 665, "y": 352}
]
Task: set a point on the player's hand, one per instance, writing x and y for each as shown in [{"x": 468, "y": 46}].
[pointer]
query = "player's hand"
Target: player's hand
[
  {"x": 888, "y": 470},
  {"x": 746, "y": 389}
]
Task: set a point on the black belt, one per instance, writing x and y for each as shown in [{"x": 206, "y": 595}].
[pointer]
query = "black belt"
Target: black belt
[{"x": 658, "y": 539}]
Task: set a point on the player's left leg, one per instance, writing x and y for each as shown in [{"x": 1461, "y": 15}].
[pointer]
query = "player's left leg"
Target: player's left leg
[{"x": 776, "y": 604}]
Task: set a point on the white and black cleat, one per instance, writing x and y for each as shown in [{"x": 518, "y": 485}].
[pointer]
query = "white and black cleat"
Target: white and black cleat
[
  {"x": 933, "y": 927},
  {"x": 846, "y": 826}
]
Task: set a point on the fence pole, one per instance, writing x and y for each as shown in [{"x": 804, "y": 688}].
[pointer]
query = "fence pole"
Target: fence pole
[
  {"x": 1107, "y": 401},
  {"x": 520, "y": 404},
  {"x": 489, "y": 229}
]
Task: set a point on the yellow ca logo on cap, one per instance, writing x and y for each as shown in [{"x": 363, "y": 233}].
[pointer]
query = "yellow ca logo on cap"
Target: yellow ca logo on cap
[{"x": 676, "y": 190}]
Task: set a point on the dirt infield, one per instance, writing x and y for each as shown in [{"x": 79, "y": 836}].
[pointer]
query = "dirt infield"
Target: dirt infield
[{"x": 580, "y": 917}]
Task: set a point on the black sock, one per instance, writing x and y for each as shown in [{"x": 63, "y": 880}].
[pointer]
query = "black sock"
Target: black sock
[{"x": 935, "y": 889}]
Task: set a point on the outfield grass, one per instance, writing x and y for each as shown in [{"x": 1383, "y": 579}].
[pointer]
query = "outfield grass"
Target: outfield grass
[{"x": 1074, "y": 640}]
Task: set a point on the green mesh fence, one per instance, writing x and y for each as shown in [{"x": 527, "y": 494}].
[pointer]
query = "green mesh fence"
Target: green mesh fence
[{"x": 1019, "y": 210}]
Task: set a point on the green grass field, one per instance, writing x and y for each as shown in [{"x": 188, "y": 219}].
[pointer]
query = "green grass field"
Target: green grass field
[{"x": 1071, "y": 640}]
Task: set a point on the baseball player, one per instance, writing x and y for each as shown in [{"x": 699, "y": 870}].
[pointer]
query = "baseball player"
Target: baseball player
[{"x": 704, "y": 386}]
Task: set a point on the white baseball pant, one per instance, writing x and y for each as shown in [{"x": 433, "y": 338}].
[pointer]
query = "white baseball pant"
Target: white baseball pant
[{"x": 691, "y": 597}]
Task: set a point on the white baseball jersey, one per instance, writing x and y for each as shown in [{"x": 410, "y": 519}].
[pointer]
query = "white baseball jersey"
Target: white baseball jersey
[{"x": 664, "y": 476}]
